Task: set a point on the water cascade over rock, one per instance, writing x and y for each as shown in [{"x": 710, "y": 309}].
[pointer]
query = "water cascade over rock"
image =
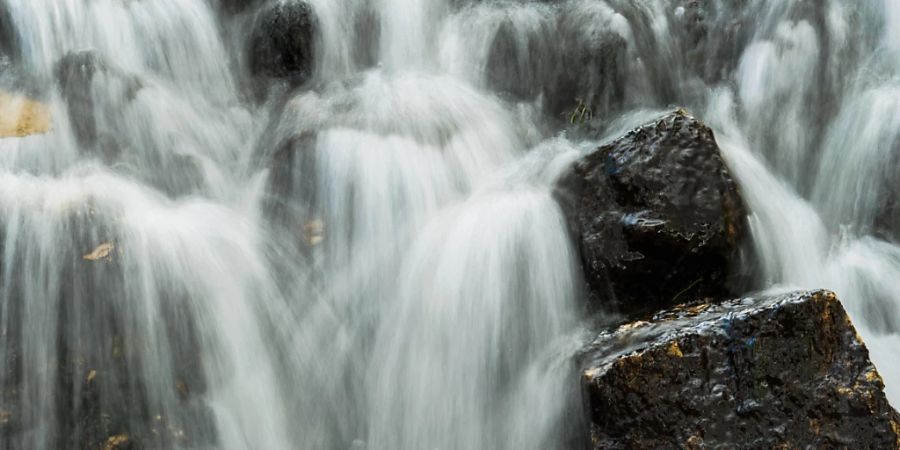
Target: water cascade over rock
[{"x": 389, "y": 224}]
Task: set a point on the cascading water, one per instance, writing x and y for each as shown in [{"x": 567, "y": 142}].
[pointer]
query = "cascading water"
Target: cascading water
[{"x": 374, "y": 260}]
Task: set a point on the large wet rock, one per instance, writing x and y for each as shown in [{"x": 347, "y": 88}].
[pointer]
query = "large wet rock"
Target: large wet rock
[
  {"x": 282, "y": 43},
  {"x": 656, "y": 216},
  {"x": 779, "y": 372}
]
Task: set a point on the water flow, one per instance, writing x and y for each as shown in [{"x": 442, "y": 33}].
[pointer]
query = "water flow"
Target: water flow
[
  {"x": 374, "y": 260},
  {"x": 374, "y": 271}
]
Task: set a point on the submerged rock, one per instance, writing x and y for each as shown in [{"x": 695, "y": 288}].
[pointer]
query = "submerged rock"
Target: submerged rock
[
  {"x": 590, "y": 75},
  {"x": 282, "y": 44},
  {"x": 520, "y": 61},
  {"x": 786, "y": 371},
  {"x": 91, "y": 366},
  {"x": 84, "y": 77},
  {"x": 75, "y": 75},
  {"x": 656, "y": 217}
]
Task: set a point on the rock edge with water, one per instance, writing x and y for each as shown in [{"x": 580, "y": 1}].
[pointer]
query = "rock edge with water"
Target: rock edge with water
[{"x": 779, "y": 372}]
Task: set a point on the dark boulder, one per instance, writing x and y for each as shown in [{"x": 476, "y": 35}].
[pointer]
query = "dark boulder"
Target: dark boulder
[
  {"x": 780, "y": 372},
  {"x": 282, "y": 43},
  {"x": 656, "y": 216}
]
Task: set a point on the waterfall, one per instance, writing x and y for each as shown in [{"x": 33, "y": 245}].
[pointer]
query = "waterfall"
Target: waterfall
[{"x": 197, "y": 257}]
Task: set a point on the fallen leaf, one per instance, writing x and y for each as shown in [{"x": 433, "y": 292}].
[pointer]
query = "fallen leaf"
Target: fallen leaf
[
  {"x": 314, "y": 232},
  {"x": 103, "y": 251},
  {"x": 91, "y": 375},
  {"x": 182, "y": 388},
  {"x": 20, "y": 116},
  {"x": 115, "y": 441}
]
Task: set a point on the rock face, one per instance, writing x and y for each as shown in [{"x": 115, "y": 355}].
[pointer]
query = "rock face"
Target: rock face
[
  {"x": 282, "y": 44},
  {"x": 656, "y": 216},
  {"x": 786, "y": 371}
]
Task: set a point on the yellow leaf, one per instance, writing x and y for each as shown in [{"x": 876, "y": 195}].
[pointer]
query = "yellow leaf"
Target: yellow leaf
[
  {"x": 115, "y": 441},
  {"x": 102, "y": 251},
  {"x": 20, "y": 116},
  {"x": 314, "y": 232}
]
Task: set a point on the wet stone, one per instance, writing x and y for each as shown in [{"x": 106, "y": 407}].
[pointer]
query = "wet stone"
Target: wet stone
[
  {"x": 779, "y": 371},
  {"x": 656, "y": 216}
]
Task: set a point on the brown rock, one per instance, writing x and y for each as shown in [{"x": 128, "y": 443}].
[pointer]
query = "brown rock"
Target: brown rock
[{"x": 784, "y": 371}]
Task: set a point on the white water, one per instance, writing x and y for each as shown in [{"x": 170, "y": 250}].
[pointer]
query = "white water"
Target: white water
[{"x": 402, "y": 279}]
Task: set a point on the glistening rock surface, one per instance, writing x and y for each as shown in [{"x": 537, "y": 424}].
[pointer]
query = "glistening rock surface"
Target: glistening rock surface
[
  {"x": 778, "y": 372},
  {"x": 656, "y": 216}
]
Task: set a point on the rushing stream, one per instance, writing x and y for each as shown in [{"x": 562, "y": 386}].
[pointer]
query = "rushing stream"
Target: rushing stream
[{"x": 375, "y": 260}]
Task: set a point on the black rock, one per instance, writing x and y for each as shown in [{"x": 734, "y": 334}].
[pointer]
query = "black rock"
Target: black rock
[
  {"x": 778, "y": 372},
  {"x": 282, "y": 44},
  {"x": 656, "y": 216}
]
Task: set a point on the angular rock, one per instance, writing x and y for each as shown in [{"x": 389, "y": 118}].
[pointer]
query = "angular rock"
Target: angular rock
[
  {"x": 779, "y": 372},
  {"x": 656, "y": 216},
  {"x": 282, "y": 44}
]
